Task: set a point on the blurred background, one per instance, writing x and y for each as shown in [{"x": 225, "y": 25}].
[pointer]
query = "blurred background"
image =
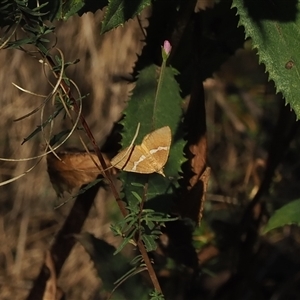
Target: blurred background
[
  {"x": 28, "y": 219},
  {"x": 242, "y": 112}
]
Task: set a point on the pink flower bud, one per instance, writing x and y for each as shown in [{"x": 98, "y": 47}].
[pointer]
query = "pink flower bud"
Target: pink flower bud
[{"x": 167, "y": 47}]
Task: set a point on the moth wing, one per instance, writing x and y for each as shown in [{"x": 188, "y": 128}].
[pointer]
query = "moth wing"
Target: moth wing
[
  {"x": 149, "y": 157},
  {"x": 157, "y": 145},
  {"x": 133, "y": 160},
  {"x": 122, "y": 158}
]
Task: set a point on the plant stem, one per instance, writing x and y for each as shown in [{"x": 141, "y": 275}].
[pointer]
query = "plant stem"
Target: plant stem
[{"x": 108, "y": 176}]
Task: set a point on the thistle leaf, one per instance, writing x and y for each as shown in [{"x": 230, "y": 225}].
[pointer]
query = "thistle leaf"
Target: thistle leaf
[
  {"x": 155, "y": 103},
  {"x": 120, "y": 11},
  {"x": 274, "y": 27}
]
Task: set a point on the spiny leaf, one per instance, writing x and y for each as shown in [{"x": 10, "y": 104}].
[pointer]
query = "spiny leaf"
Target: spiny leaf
[
  {"x": 286, "y": 215},
  {"x": 274, "y": 27},
  {"x": 120, "y": 11},
  {"x": 154, "y": 108},
  {"x": 69, "y": 8}
]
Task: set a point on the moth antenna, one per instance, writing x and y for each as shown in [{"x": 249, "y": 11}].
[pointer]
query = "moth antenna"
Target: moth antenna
[{"x": 129, "y": 147}]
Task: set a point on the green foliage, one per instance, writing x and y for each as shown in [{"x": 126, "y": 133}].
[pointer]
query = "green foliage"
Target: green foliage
[
  {"x": 274, "y": 30},
  {"x": 287, "y": 215},
  {"x": 19, "y": 13},
  {"x": 156, "y": 296},
  {"x": 155, "y": 103},
  {"x": 140, "y": 223},
  {"x": 9, "y": 13},
  {"x": 120, "y": 11},
  {"x": 70, "y": 8},
  {"x": 12, "y": 12}
]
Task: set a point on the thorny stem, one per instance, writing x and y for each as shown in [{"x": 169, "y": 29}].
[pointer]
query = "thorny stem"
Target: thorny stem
[{"x": 107, "y": 174}]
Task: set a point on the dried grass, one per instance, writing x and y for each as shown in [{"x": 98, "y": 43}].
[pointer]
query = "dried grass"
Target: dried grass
[{"x": 27, "y": 220}]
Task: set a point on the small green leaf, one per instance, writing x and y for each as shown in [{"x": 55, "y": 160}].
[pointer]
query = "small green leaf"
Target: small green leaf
[
  {"x": 136, "y": 184},
  {"x": 137, "y": 196},
  {"x": 150, "y": 224},
  {"x": 70, "y": 8},
  {"x": 57, "y": 137},
  {"x": 155, "y": 295},
  {"x": 137, "y": 260},
  {"x": 149, "y": 242},
  {"x": 124, "y": 243},
  {"x": 40, "y": 127},
  {"x": 19, "y": 43},
  {"x": 120, "y": 11},
  {"x": 286, "y": 215}
]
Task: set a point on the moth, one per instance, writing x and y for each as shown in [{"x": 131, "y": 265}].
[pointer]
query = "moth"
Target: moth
[{"x": 148, "y": 157}]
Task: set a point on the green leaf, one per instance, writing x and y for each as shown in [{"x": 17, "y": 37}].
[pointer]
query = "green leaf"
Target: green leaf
[
  {"x": 74, "y": 7},
  {"x": 57, "y": 137},
  {"x": 125, "y": 242},
  {"x": 155, "y": 295},
  {"x": 149, "y": 242},
  {"x": 154, "y": 109},
  {"x": 286, "y": 215},
  {"x": 120, "y": 11},
  {"x": 154, "y": 105},
  {"x": 40, "y": 127},
  {"x": 274, "y": 27},
  {"x": 137, "y": 196},
  {"x": 69, "y": 8},
  {"x": 49, "y": 9},
  {"x": 19, "y": 43}
]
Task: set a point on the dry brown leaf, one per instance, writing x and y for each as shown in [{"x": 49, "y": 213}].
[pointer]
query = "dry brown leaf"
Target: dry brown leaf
[
  {"x": 73, "y": 170},
  {"x": 191, "y": 204},
  {"x": 52, "y": 292},
  {"x": 196, "y": 196}
]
